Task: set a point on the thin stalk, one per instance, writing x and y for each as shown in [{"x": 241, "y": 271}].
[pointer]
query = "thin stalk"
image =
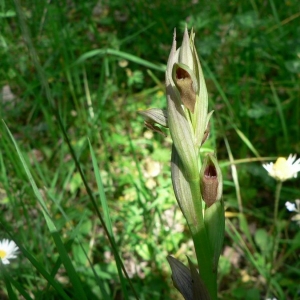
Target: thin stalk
[
  {"x": 234, "y": 176},
  {"x": 276, "y": 225},
  {"x": 277, "y": 196},
  {"x": 276, "y": 233}
]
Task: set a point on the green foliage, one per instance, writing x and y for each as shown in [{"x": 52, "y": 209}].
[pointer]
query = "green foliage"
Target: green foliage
[{"x": 250, "y": 53}]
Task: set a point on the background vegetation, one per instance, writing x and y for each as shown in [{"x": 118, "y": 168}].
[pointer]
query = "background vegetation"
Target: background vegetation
[{"x": 103, "y": 61}]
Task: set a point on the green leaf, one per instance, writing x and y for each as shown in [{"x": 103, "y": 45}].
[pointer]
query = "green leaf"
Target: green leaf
[
  {"x": 199, "y": 290},
  {"x": 264, "y": 241},
  {"x": 182, "y": 279},
  {"x": 214, "y": 220}
]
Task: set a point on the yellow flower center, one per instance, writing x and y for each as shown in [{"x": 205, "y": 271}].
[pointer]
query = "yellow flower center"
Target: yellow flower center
[
  {"x": 280, "y": 164},
  {"x": 282, "y": 169},
  {"x": 2, "y": 254}
]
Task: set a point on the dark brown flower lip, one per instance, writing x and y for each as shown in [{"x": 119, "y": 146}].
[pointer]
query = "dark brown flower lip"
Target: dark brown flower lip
[
  {"x": 182, "y": 74},
  {"x": 210, "y": 172}
]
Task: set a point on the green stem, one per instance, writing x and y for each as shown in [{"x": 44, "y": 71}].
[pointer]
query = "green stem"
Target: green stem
[
  {"x": 276, "y": 232},
  {"x": 204, "y": 258},
  {"x": 277, "y": 196},
  {"x": 276, "y": 225},
  {"x": 187, "y": 190},
  {"x": 202, "y": 246}
]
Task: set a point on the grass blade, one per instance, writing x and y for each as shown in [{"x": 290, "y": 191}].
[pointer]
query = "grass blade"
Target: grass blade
[
  {"x": 107, "y": 219},
  {"x": 247, "y": 142},
  {"x": 120, "y": 54},
  {"x": 79, "y": 292},
  {"x": 280, "y": 112}
]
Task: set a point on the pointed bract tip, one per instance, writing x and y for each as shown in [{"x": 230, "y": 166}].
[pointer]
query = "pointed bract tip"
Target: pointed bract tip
[{"x": 186, "y": 37}]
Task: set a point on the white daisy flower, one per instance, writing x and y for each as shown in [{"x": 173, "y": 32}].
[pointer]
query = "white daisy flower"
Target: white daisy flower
[
  {"x": 294, "y": 207},
  {"x": 290, "y": 206},
  {"x": 283, "y": 168},
  {"x": 8, "y": 250}
]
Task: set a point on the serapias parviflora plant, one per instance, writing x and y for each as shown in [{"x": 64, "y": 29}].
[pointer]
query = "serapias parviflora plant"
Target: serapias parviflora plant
[{"x": 197, "y": 184}]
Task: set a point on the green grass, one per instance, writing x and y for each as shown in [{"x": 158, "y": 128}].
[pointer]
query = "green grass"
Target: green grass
[{"x": 78, "y": 194}]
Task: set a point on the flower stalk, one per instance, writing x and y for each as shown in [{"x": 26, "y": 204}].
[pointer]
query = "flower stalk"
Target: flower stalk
[{"x": 277, "y": 197}]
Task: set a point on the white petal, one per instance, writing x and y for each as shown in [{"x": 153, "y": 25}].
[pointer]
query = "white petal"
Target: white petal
[
  {"x": 291, "y": 158},
  {"x": 268, "y": 167},
  {"x": 5, "y": 261},
  {"x": 290, "y": 206}
]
